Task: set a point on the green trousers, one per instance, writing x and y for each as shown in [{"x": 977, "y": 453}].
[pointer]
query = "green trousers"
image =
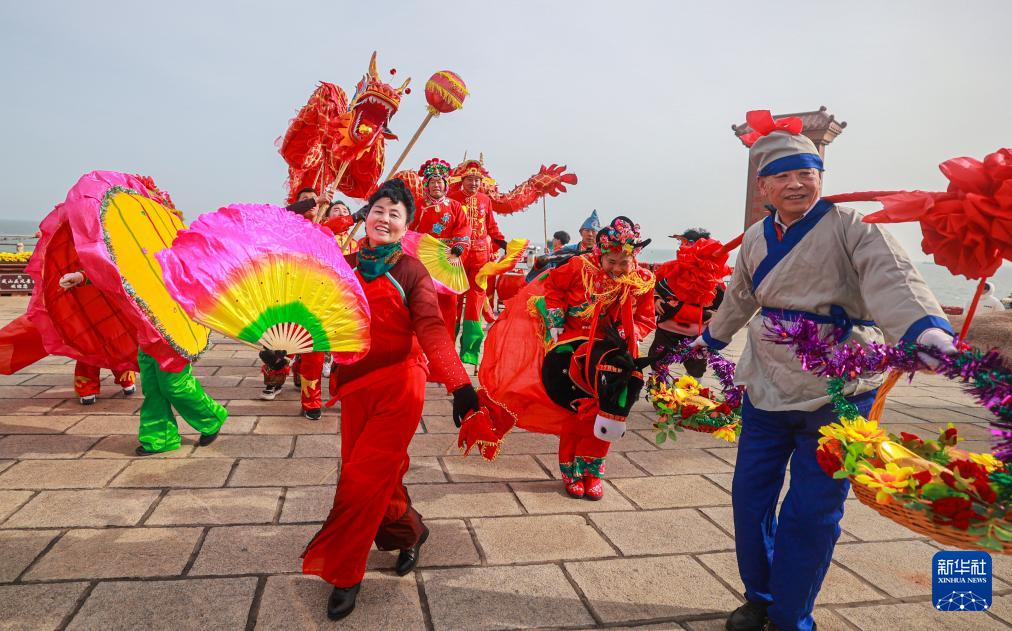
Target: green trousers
[
  {"x": 166, "y": 390},
  {"x": 470, "y": 342}
]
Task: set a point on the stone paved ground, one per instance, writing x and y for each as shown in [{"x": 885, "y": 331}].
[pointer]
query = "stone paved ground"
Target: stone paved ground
[{"x": 92, "y": 538}]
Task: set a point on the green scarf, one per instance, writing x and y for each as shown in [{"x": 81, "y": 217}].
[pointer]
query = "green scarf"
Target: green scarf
[{"x": 374, "y": 262}]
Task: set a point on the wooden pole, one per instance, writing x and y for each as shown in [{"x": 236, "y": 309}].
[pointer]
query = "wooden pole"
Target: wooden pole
[
  {"x": 411, "y": 143},
  {"x": 327, "y": 192},
  {"x": 544, "y": 215}
]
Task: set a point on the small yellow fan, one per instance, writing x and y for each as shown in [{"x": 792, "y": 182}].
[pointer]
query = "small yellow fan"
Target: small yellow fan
[{"x": 447, "y": 271}]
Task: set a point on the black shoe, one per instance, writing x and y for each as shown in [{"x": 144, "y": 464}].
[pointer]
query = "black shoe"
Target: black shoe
[
  {"x": 207, "y": 439},
  {"x": 342, "y": 601},
  {"x": 141, "y": 451},
  {"x": 749, "y": 617},
  {"x": 408, "y": 559},
  {"x": 313, "y": 415}
]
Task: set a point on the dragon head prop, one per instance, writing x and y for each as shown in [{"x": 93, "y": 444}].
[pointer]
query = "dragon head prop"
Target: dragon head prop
[{"x": 372, "y": 107}]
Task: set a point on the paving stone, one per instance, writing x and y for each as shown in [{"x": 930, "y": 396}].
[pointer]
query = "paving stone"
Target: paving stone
[
  {"x": 633, "y": 442},
  {"x": 317, "y": 446},
  {"x": 727, "y": 454},
  {"x": 28, "y": 407},
  {"x": 477, "y": 469},
  {"x": 544, "y": 538},
  {"x": 11, "y": 501},
  {"x": 28, "y": 446},
  {"x": 28, "y": 424},
  {"x": 117, "y": 552},
  {"x": 464, "y": 500},
  {"x": 211, "y": 603},
  {"x": 187, "y": 473},
  {"x": 622, "y": 590},
  {"x": 38, "y": 607},
  {"x": 672, "y": 491},
  {"x": 519, "y": 442},
  {"x": 503, "y": 598},
  {"x": 287, "y": 425},
  {"x": 6, "y": 464},
  {"x": 118, "y": 406},
  {"x": 867, "y": 525},
  {"x": 299, "y": 603},
  {"x": 248, "y": 446},
  {"x": 686, "y": 440},
  {"x": 618, "y": 466},
  {"x": 449, "y": 544},
  {"x": 83, "y": 509},
  {"x": 59, "y": 474},
  {"x": 216, "y": 506},
  {"x": 915, "y": 616},
  {"x": 664, "y": 462},
  {"x": 899, "y": 568},
  {"x": 253, "y": 550},
  {"x": 21, "y": 392},
  {"x": 106, "y": 424},
  {"x": 307, "y": 504},
  {"x": 124, "y": 445},
  {"x": 826, "y": 619},
  {"x": 18, "y": 548},
  {"x": 661, "y": 532},
  {"x": 550, "y": 497},
  {"x": 840, "y": 586},
  {"x": 235, "y": 424},
  {"x": 285, "y": 472},
  {"x": 424, "y": 471},
  {"x": 436, "y": 445},
  {"x": 1001, "y": 606}
]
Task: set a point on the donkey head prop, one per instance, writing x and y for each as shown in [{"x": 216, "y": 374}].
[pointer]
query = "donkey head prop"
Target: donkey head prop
[{"x": 603, "y": 374}]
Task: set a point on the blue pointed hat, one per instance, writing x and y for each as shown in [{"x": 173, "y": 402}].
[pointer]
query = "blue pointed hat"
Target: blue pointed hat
[{"x": 592, "y": 222}]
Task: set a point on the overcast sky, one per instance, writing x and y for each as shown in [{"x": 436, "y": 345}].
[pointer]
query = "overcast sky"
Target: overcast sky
[{"x": 635, "y": 97}]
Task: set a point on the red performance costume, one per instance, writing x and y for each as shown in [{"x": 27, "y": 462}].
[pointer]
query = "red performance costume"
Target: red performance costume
[
  {"x": 447, "y": 220},
  {"x": 88, "y": 381},
  {"x": 579, "y": 297},
  {"x": 481, "y": 207},
  {"x": 381, "y": 403}
]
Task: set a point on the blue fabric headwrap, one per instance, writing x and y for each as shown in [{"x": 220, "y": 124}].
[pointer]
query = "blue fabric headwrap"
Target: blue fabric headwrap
[{"x": 592, "y": 222}]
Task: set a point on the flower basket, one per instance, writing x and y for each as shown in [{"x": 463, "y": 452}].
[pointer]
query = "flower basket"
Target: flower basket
[{"x": 682, "y": 404}]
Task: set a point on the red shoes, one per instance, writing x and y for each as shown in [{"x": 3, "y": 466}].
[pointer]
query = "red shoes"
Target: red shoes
[
  {"x": 593, "y": 488},
  {"x": 589, "y": 487},
  {"x": 573, "y": 487}
]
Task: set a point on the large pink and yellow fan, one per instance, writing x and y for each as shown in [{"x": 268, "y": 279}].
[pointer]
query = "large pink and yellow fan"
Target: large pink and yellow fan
[
  {"x": 515, "y": 250},
  {"x": 447, "y": 271},
  {"x": 268, "y": 277}
]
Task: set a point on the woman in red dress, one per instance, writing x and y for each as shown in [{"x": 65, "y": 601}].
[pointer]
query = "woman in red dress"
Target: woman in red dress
[{"x": 381, "y": 403}]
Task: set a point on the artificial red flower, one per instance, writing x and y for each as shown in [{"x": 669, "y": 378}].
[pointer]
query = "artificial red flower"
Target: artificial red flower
[
  {"x": 723, "y": 408},
  {"x": 968, "y": 228},
  {"x": 911, "y": 438},
  {"x": 949, "y": 434},
  {"x": 922, "y": 477},
  {"x": 954, "y": 511},
  {"x": 705, "y": 393},
  {"x": 830, "y": 456},
  {"x": 689, "y": 410}
]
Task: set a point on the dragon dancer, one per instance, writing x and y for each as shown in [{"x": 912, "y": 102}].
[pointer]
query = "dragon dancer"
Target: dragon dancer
[{"x": 445, "y": 219}]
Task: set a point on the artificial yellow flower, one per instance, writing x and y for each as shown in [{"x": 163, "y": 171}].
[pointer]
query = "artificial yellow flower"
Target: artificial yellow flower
[
  {"x": 727, "y": 433},
  {"x": 855, "y": 430},
  {"x": 886, "y": 481},
  {"x": 989, "y": 462}
]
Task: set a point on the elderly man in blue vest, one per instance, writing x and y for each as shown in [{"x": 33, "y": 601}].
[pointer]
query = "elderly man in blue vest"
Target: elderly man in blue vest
[{"x": 815, "y": 260}]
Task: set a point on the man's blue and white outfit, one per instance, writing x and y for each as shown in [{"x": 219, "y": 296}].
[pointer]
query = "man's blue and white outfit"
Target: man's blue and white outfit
[{"x": 830, "y": 267}]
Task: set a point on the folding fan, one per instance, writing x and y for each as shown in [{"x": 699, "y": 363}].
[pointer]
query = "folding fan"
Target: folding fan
[
  {"x": 268, "y": 277},
  {"x": 447, "y": 272},
  {"x": 515, "y": 250}
]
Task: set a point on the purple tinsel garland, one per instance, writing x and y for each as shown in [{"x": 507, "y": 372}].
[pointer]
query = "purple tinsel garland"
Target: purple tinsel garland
[
  {"x": 722, "y": 367},
  {"x": 986, "y": 377}
]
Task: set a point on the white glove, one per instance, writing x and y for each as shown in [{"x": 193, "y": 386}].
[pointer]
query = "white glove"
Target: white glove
[
  {"x": 555, "y": 332},
  {"x": 935, "y": 338},
  {"x": 699, "y": 342},
  {"x": 72, "y": 279}
]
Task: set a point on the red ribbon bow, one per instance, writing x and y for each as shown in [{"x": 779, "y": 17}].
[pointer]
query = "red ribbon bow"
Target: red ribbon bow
[{"x": 763, "y": 124}]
